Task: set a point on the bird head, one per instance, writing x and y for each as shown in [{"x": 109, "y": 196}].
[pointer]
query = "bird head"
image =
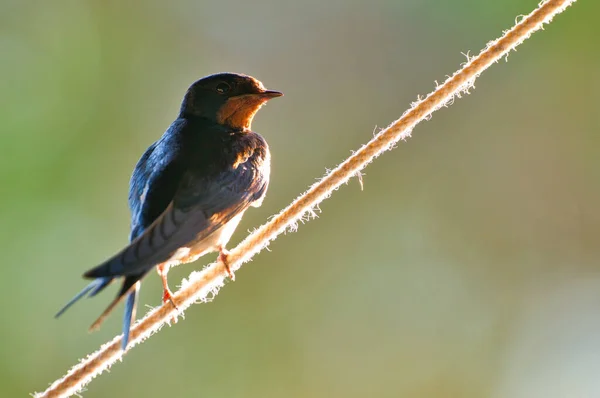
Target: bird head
[{"x": 229, "y": 99}]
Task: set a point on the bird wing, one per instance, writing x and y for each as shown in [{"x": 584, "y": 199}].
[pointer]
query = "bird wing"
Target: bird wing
[
  {"x": 138, "y": 190},
  {"x": 155, "y": 180},
  {"x": 201, "y": 205}
]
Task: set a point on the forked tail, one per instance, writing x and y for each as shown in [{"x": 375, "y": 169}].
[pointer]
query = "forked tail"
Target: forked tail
[{"x": 130, "y": 288}]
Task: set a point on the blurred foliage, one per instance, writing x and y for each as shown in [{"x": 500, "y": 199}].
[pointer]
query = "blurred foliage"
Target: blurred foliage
[{"x": 468, "y": 266}]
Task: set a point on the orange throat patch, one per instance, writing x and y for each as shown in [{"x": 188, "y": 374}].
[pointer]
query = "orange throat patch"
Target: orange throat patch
[{"x": 238, "y": 112}]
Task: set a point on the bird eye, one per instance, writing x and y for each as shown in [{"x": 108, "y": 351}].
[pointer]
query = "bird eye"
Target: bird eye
[{"x": 222, "y": 88}]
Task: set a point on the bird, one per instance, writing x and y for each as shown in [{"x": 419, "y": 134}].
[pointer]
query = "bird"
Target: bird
[{"x": 190, "y": 189}]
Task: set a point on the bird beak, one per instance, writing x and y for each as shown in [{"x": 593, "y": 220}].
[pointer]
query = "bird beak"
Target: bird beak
[{"x": 271, "y": 94}]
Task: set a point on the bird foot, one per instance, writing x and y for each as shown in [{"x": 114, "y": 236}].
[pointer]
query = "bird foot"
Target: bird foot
[
  {"x": 224, "y": 258},
  {"x": 162, "y": 270},
  {"x": 168, "y": 297}
]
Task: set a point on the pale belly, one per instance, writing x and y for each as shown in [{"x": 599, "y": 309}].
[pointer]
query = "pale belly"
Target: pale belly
[{"x": 211, "y": 243}]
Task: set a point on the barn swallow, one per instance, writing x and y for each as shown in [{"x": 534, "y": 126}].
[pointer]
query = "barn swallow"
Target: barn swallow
[{"x": 190, "y": 189}]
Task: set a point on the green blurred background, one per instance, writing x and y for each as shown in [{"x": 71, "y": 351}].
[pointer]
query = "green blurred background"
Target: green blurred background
[{"x": 468, "y": 266}]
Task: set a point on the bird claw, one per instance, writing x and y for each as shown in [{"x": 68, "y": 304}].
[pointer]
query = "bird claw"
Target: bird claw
[
  {"x": 168, "y": 297},
  {"x": 224, "y": 258}
]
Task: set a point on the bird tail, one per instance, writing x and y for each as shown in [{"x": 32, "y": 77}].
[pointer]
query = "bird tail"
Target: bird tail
[
  {"x": 95, "y": 287},
  {"x": 129, "y": 289}
]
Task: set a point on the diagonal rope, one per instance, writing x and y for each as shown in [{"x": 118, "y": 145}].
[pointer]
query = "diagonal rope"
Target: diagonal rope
[{"x": 202, "y": 285}]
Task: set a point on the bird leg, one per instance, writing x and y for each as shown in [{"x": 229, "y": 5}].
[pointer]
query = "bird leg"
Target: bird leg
[
  {"x": 224, "y": 258},
  {"x": 162, "y": 270}
]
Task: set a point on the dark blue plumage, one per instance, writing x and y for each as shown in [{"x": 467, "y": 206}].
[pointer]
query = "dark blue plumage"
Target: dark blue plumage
[{"x": 190, "y": 188}]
